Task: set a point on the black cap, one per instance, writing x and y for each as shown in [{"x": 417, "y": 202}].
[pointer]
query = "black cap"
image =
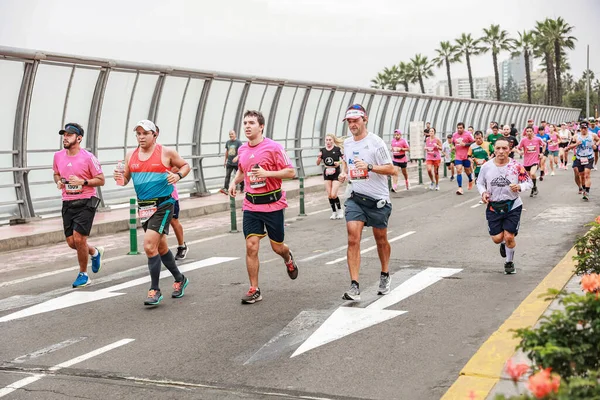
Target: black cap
[
  {"x": 72, "y": 128},
  {"x": 583, "y": 125}
]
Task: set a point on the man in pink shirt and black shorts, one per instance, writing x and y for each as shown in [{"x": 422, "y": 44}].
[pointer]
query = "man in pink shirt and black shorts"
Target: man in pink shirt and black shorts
[
  {"x": 462, "y": 141},
  {"x": 262, "y": 165},
  {"x": 399, "y": 148},
  {"x": 77, "y": 173}
]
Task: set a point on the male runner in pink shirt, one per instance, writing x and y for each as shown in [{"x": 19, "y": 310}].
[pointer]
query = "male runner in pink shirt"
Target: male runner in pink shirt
[
  {"x": 462, "y": 141},
  {"x": 262, "y": 164},
  {"x": 533, "y": 147}
]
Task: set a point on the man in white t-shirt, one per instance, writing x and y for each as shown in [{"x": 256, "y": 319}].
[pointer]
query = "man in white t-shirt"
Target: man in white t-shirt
[{"x": 367, "y": 164}]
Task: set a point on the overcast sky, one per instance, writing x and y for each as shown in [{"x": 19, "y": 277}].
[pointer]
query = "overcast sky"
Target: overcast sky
[{"x": 334, "y": 41}]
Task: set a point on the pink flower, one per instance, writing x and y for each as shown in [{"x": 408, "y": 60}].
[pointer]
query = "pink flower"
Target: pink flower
[
  {"x": 516, "y": 371},
  {"x": 598, "y": 219},
  {"x": 542, "y": 383},
  {"x": 590, "y": 283}
]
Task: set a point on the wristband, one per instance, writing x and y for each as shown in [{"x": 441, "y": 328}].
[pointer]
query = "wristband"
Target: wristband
[{"x": 180, "y": 176}]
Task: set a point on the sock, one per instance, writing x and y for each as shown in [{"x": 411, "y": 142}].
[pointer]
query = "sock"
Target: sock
[
  {"x": 510, "y": 254},
  {"x": 154, "y": 267},
  {"x": 534, "y": 182},
  {"x": 470, "y": 176},
  {"x": 171, "y": 265},
  {"x": 459, "y": 180},
  {"x": 95, "y": 252},
  {"x": 386, "y": 274},
  {"x": 355, "y": 283},
  {"x": 332, "y": 204},
  {"x": 85, "y": 273},
  {"x": 337, "y": 203}
]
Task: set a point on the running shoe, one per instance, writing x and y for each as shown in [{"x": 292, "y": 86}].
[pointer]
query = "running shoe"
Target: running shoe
[
  {"x": 459, "y": 191},
  {"x": 333, "y": 215},
  {"x": 531, "y": 193},
  {"x": 471, "y": 183},
  {"x": 535, "y": 191},
  {"x": 503, "y": 250},
  {"x": 595, "y": 169},
  {"x": 407, "y": 185},
  {"x": 509, "y": 268},
  {"x": 353, "y": 293},
  {"x": 340, "y": 214},
  {"x": 224, "y": 191},
  {"x": 541, "y": 178},
  {"x": 291, "y": 267},
  {"x": 580, "y": 191},
  {"x": 154, "y": 297},
  {"x": 431, "y": 186},
  {"x": 82, "y": 280},
  {"x": 385, "y": 282},
  {"x": 252, "y": 296},
  {"x": 394, "y": 188},
  {"x": 437, "y": 187},
  {"x": 97, "y": 260},
  {"x": 585, "y": 196},
  {"x": 452, "y": 178},
  {"x": 552, "y": 173},
  {"x": 181, "y": 252},
  {"x": 179, "y": 288}
]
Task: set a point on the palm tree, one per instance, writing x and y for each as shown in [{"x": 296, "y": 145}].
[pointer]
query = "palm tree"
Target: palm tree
[
  {"x": 496, "y": 40},
  {"x": 558, "y": 33},
  {"x": 446, "y": 54},
  {"x": 392, "y": 77},
  {"x": 404, "y": 74},
  {"x": 421, "y": 69},
  {"x": 467, "y": 46},
  {"x": 379, "y": 82},
  {"x": 544, "y": 50},
  {"x": 524, "y": 45}
]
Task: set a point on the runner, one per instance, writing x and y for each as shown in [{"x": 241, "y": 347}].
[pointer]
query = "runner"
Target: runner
[
  {"x": 77, "y": 173},
  {"x": 479, "y": 152},
  {"x": 149, "y": 167},
  {"x": 585, "y": 143},
  {"x": 530, "y": 124},
  {"x": 448, "y": 151},
  {"x": 513, "y": 142},
  {"x": 552, "y": 148},
  {"x": 331, "y": 156},
  {"x": 592, "y": 128},
  {"x": 368, "y": 161},
  {"x": 231, "y": 160},
  {"x": 543, "y": 134},
  {"x": 263, "y": 163},
  {"x": 495, "y": 135},
  {"x": 399, "y": 148},
  {"x": 499, "y": 184},
  {"x": 462, "y": 140},
  {"x": 532, "y": 147},
  {"x": 433, "y": 145},
  {"x": 563, "y": 153}
]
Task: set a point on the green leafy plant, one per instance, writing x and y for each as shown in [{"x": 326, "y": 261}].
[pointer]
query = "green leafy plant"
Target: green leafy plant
[{"x": 588, "y": 251}]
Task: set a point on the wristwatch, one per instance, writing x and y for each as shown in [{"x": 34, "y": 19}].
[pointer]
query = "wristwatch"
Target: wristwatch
[
  {"x": 85, "y": 182},
  {"x": 180, "y": 176},
  {"x": 370, "y": 167}
]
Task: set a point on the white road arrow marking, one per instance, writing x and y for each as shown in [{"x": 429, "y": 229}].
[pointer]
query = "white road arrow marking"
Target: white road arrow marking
[
  {"x": 347, "y": 320},
  {"x": 82, "y": 297}
]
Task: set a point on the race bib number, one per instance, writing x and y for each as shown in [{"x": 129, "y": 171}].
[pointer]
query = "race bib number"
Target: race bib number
[
  {"x": 73, "y": 189},
  {"x": 396, "y": 151},
  {"x": 256, "y": 182},
  {"x": 145, "y": 212},
  {"x": 358, "y": 174},
  {"x": 479, "y": 161},
  {"x": 531, "y": 149},
  {"x": 583, "y": 161},
  {"x": 330, "y": 170},
  {"x": 429, "y": 149}
]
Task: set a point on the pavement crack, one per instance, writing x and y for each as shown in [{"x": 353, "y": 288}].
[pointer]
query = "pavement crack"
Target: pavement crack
[{"x": 57, "y": 392}]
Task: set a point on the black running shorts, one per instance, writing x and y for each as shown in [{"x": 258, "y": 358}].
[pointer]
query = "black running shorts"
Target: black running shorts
[
  {"x": 498, "y": 223},
  {"x": 77, "y": 217},
  {"x": 161, "y": 219},
  {"x": 256, "y": 222},
  {"x": 400, "y": 164},
  {"x": 176, "y": 210}
]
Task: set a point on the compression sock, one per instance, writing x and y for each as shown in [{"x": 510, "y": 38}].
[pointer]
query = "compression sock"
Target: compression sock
[
  {"x": 510, "y": 254},
  {"x": 154, "y": 267},
  {"x": 459, "y": 180},
  {"x": 171, "y": 265},
  {"x": 332, "y": 204},
  {"x": 470, "y": 176},
  {"x": 534, "y": 182},
  {"x": 337, "y": 203}
]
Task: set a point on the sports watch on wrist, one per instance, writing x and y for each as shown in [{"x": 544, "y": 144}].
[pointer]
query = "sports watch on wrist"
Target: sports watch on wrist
[
  {"x": 370, "y": 167},
  {"x": 85, "y": 182},
  {"x": 180, "y": 176}
]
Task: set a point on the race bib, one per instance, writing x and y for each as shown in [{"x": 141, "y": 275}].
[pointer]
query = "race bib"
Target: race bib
[
  {"x": 256, "y": 182},
  {"x": 330, "y": 170},
  {"x": 531, "y": 149},
  {"x": 73, "y": 189},
  {"x": 479, "y": 161},
  {"x": 429, "y": 149},
  {"x": 145, "y": 212},
  {"x": 358, "y": 174},
  {"x": 583, "y": 161},
  {"x": 396, "y": 151}
]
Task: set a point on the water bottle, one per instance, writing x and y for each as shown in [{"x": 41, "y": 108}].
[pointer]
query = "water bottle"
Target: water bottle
[{"x": 121, "y": 170}]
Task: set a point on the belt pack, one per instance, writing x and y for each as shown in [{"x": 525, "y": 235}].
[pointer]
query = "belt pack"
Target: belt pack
[
  {"x": 153, "y": 202},
  {"x": 367, "y": 201},
  {"x": 501, "y": 207},
  {"x": 264, "y": 198},
  {"x": 92, "y": 202}
]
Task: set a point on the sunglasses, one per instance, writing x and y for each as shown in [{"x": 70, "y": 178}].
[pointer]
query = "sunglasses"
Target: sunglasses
[{"x": 78, "y": 131}]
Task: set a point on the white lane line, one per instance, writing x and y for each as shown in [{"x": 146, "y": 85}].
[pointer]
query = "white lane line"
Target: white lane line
[
  {"x": 26, "y": 381},
  {"x": 372, "y": 247},
  {"x": 330, "y": 251},
  {"x": 48, "y": 350},
  {"x": 477, "y": 205},
  {"x": 76, "y": 268},
  {"x": 466, "y": 202}
]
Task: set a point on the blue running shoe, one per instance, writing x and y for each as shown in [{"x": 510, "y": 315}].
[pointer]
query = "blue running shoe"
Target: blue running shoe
[
  {"x": 97, "y": 261},
  {"x": 82, "y": 280}
]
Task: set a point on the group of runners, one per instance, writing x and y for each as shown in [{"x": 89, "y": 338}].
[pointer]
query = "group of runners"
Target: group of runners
[{"x": 363, "y": 159}]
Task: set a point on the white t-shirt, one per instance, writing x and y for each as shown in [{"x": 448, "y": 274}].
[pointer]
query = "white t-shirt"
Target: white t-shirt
[
  {"x": 564, "y": 135},
  {"x": 447, "y": 151},
  {"x": 497, "y": 180},
  {"x": 372, "y": 150}
]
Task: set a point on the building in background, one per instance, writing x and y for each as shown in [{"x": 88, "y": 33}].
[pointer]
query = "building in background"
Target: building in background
[
  {"x": 515, "y": 68},
  {"x": 461, "y": 88}
]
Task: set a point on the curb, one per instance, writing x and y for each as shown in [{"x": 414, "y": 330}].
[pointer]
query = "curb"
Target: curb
[
  {"x": 484, "y": 370},
  {"x": 111, "y": 227}
]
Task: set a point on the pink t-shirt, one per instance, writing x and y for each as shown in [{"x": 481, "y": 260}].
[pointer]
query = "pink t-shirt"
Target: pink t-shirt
[
  {"x": 553, "y": 142},
  {"x": 532, "y": 150},
  {"x": 271, "y": 156},
  {"x": 536, "y": 130},
  {"x": 84, "y": 165},
  {"x": 432, "y": 152},
  {"x": 462, "y": 143},
  {"x": 399, "y": 156}
]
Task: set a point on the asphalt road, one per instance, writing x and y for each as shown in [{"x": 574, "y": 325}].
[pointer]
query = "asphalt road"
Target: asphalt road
[{"x": 302, "y": 341}]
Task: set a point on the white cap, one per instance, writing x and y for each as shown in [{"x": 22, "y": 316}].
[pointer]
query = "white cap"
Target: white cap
[
  {"x": 146, "y": 124},
  {"x": 353, "y": 114}
]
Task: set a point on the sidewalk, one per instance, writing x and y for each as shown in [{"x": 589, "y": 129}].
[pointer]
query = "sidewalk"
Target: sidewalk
[{"x": 50, "y": 230}]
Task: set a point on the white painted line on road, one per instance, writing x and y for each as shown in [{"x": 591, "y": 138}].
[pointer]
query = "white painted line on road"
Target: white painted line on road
[
  {"x": 372, "y": 247},
  {"x": 26, "y": 381},
  {"x": 477, "y": 205},
  {"x": 48, "y": 350},
  {"x": 466, "y": 202},
  {"x": 331, "y": 251}
]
